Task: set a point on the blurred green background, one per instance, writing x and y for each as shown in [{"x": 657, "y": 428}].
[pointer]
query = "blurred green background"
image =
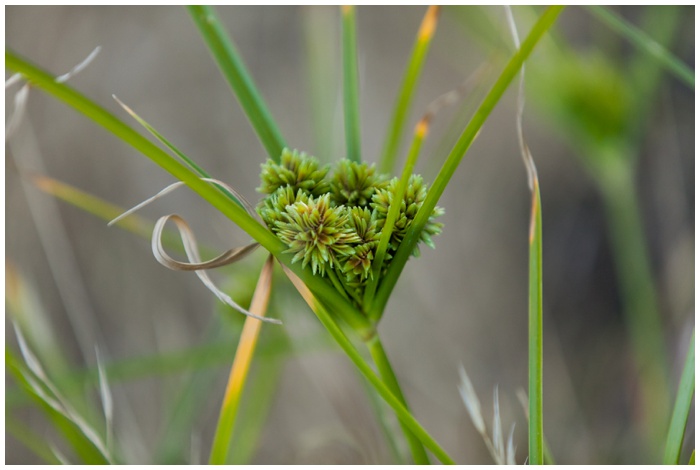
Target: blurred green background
[{"x": 594, "y": 103}]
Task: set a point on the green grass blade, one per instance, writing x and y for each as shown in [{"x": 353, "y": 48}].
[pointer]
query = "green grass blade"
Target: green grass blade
[
  {"x": 387, "y": 373},
  {"x": 644, "y": 42},
  {"x": 536, "y": 431},
  {"x": 681, "y": 410},
  {"x": 187, "y": 160},
  {"x": 262, "y": 235},
  {"x": 692, "y": 458},
  {"x": 638, "y": 296},
  {"x": 321, "y": 68},
  {"x": 233, "y": 68},
  {"x": 387, "y": 395},
  {"x": 378, "y": 406},
  {"x": 407, "y": 90},
  {"x": 351, "y": 85},
  {"x": 412, "y": 237}
]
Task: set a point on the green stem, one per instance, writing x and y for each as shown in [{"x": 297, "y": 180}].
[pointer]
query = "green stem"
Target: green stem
[
  {"x": 351, "y": 86},
  {"x": 336, "y": 283},
  {"x": 233, "y": 68},
  {"x": 387, "y": 373},
  {"x": 321, "y": 68},
  {"x": 681, "y": 410},
  {"x": 401, "y": 412},
  {"x": 639, "y": 302},
  {"x": 381, "y": 415},
  {"x": 455, "y": 157},
  {"x": 391, "y": 217},
  {"x": 535, "y": 366}
]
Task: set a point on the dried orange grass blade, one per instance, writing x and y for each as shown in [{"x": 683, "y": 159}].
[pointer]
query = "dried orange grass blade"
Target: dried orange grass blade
[{"x": 241, "y": 364}]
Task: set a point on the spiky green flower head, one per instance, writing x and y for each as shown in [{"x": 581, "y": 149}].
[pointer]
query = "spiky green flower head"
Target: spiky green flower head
[
  {"x": 354, "y": 184},
  {"x": 357, "y": 266},
  {"x": 317, "y": 233},
  {"x": 414, "y": 196},
  {"x": 364, "y": 224},
  {"x": 296, "y": 169},
  {"x": 273, "y": 207}
]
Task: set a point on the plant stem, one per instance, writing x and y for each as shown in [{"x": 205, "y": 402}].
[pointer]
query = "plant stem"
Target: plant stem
[
  {"x": 378, "y": 409},
  {"x": 640, "y": 305},
  {"x": 351, "y": 86},
  {"x": 241, "y": 366},
  {"x": 681, "y": 410},
  {"x": 535, "y": 366},
  {"x": 388, "y": 228},
  {"x": 401, "y": 412},
  {"x": 387, "y": 373}
]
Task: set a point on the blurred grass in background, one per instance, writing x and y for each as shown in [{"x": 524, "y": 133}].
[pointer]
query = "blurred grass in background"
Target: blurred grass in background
[{"x": 612, "y": 134}]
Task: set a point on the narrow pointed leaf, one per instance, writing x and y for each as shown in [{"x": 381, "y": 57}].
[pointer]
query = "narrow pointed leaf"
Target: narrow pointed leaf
[
  {"x": 408, "y": 88},
  {"x": 681, "y": 410},
  {"x": 351, "y": 85},
  {"x": 227, "y": 57}
]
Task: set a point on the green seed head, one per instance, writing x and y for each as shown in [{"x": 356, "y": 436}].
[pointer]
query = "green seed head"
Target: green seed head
[
  {"x": 354, "y": 184},
  {"x": 335, "y": 222},
  {"x": 317, "y": 233},
  {"x": 416, "y": 192},
  {"x": 272, "y": 208},
  {"x": 296, "y": 169}
]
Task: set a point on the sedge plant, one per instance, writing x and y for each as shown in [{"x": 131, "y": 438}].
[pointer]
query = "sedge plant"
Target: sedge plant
[{"x": 342, "y": 236}]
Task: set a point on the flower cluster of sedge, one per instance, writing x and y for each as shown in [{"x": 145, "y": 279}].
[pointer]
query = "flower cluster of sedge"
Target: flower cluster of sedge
[{"x": 333, "y": 221}]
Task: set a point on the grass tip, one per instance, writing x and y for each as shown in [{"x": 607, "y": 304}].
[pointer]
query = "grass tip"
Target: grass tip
[{"x": 429, "y": 24}]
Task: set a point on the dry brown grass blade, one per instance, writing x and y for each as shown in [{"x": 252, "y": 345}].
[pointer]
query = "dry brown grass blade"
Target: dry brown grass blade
[
  {"x": 195, "y": 263},
  {"x": 170, "y": 188}
]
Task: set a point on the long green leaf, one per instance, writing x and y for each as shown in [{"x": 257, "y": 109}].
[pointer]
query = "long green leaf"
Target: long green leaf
[
  {"x": 412, "y": 237},
  {"x": 322, "y": 64},
  {"x": 269, "y": 241},
  {"x": 187, "y": 160},
  {"x": 643, "y": 41},
  {"x": 408, "y": 89},
  {"x": 351, "y": 85},
  {"x": 681, "y": 410},
  {"x": 233, "y": 68},
  {"x": 536, "y": 430},
  {"x": 391, "y": 217}
]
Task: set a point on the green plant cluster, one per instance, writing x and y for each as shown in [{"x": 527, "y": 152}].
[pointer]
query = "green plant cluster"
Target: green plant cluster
[{"x": 333, "y": 222}]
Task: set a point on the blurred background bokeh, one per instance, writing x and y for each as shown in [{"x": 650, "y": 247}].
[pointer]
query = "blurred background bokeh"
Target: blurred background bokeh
[{"x": 593, "y": 98}]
